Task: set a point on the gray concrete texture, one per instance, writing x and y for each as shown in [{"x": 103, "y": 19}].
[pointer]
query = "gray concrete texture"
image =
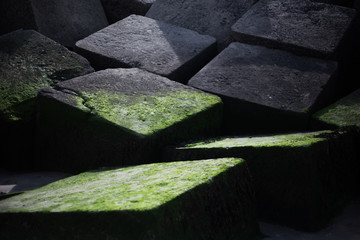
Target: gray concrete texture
[
  {"x": 211, "y": 17},
  {"x": 158, "y": 47},
  {"x": 303, "y": 27},
  {"x": 65, "y": 21}
]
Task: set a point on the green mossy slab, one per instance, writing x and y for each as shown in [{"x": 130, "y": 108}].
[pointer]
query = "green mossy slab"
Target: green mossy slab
[
  {"x": 177, "y": 200},
  {"x": 300, "y": 179},
  {"x": 29, "y": 61},
  {"x": 343, "y": 113},
  {"x": 127, "y": 113}
]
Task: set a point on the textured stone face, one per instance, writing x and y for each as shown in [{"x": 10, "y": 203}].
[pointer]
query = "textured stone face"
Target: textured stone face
[
  {"x": 343, "y": 113},
  {"x": 64, "y": 21},
  {"x": 179, "y": 200},
  {"x": 28, "y": 62},
  {"x": 128, "y": 113},
  {"x": 259, "y": 82},
  {"x": 304, "y": 27},
  {"x": 214, "y": 17},
  {"x": 144, "y": 43}
]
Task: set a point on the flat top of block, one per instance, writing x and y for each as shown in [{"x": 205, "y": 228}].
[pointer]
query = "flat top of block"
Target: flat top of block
[
  {"x": 345, "y": 112},
  {"x": 207, "y": 17},
  {"x": 142, "y": 187},
  {"x": 307, "y": 24},
  {"x": 28, "y": 62},
  {"x": 148, "y": 44},
  {"x": 284, "y": 140},
  {"x": 134, "y": 99},
  {"x": 269, "y": 77}
]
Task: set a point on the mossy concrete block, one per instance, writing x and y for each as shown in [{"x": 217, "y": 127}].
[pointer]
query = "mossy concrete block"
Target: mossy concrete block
[
  {"x": 136, "y": 41},
  {"x": 213, "y": 18},
  {"x": 208, "y": 199},
  {"x": 266, "y": 89},
  {"x": 64, "y": 21},
  {"x": 29, "y": 61},
  {"x": 343, "y": 113},
  {"x": 300, "y": 179},
  {"x": 306, "y": 27},
  {"x": 119, "y": 9},
  {"x": 120, "y": 116}
]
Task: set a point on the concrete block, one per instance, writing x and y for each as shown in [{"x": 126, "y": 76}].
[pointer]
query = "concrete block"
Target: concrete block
[
  {"x": 64, "y": 21},
  {"x": 266, "y": 89},
  {"x": 155, "y": 46},
  {"x": 119, "y": 117},
  {"x": 306, "y": 28},
  {"x": 213, "y": 18},
  {"x": 179, "y": 200}
]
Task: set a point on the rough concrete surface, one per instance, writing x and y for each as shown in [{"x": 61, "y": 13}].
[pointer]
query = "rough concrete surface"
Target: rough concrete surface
[
  {"x": 305, "y": 27},
  {"x": 65, "y": 21},
  {"x": 141, "y": 42},
  {"x": 262, "y": 82},
  {"x": 214, "y": 17}
]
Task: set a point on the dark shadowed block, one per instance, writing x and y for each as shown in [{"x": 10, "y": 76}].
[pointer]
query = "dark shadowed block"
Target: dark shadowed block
[
  {"x": 301, "y": 180},
  {"x": 64, "y": 21},
  {"x": 174, "y": 52},
  {"x": 265, "y": 89},
  {"x": 119, "y": 9},
  {"x": 213, "y": 18},
  {"x": 208, "y": 199},
  {"x": 120, "y": 117},
  {"x": 29, "y": 61},
  {"x": 305, "y": 27}
]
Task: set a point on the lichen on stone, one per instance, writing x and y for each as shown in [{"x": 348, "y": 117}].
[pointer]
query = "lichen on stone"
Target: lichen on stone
[
  {"x": 147, "y": 114},
  {"x": 140, "y": 188}
]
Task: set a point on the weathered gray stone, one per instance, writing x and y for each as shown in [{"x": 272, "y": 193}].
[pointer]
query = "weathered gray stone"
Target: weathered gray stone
[
  {"x": 119, "y": 9},
  {"x": 119, "y": 116},
  {"x": 64, "y": 21},
  {"x": 141, "y": 42},
  {"x": 267, "y": 89},
  {"x": 345, "y": 3},
  {"x": 301, "y": 180},
  {"x": 214, "y": 17},
  {"x": 305, "y": 27},
  {"x": 29, "y": 61}
]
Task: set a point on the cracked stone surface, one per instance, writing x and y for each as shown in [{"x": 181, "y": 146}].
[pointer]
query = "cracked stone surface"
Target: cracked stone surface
[
  {"x": 307, "y": 28},
  {"x": 214, "y": 17},
  {"x": 121, "y": 116},
  {"x": 262, "y": 87},
  {"x": 158, "y": 47}
]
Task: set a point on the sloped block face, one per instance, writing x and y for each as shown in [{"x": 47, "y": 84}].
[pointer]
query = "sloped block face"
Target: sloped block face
[
  {"x": 155, "y": 46},
  {"x": 179, "y": 200},
  {"x": 343, "y": 113},
  {"x": 29, "y": 61},
  {"x": 213, "y": 18},
  {"x": 306, "y": 27},
  {"x": 126, "y": 113},
  {"x": 265, "y": 89},
  {"x": 300, "y": 180}
]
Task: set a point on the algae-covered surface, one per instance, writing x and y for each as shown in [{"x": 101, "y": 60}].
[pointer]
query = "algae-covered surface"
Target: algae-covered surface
[
  {"x": 285, "y": 140},
  {"x": 138, "y": 100},
  {"x": 345, "y": 112},
  {"x": 28, "y": 62},
  {"x": 141, "y": 187}
]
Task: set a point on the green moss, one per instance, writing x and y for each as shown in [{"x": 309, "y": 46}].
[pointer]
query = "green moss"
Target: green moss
[
  {"x": 345, "y": 112},
  {"x": 147, "y": 114},
  {"x": 286, "y": 140},
  {"x": 141, "y": 187}
]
